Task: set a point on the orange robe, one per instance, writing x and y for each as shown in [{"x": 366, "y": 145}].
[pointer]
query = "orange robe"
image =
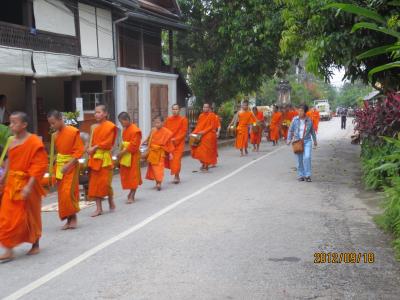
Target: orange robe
[
  {"x": 178, "y": 125},
  {"x": 316, "y": 118},
  {"x": 255, "y": 137},
  {"x": 104, "y": 136},
  {"x": 131, "y": 177},
  {"x": 159, "y": 148},
  {"x": 69, "y": 142},
  {"x": 206, "y": 151},
  {"x": 20, "y": 220},
  {"x": 245, "y": 118},
  {"x": 217, "y": 125},
  {"x": 275, "y": 125},
  {"x": 287, "y": 119}
]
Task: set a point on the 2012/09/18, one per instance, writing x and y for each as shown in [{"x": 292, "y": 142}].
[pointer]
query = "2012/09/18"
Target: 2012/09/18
[{"x": 344, "y": 257}]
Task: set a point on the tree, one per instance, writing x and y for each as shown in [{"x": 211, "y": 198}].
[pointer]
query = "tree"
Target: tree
[
  {"x": 326, "y": 37},
  {"x": 232, "y": 47},
  {"x": 349, "y": 94},
  {"x": 387, "y": 26}
]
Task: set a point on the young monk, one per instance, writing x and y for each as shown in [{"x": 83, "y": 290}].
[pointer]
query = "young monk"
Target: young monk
[
  {"x": 218, "y": 131},
  {"x": 256, "y": 136},
  {"x": 160, "y": 148},
  {"x": 286, "y": 120},
  {"x": 103, "y": 137},
  {"x": 20, "y": 211},
  {"x": 70, "y": 149},
  {"x": 275, "y": 125},
  {"x": 178, "y": 125},
  {"x": 206, "y": 151},
  {"x": 246, "y": 118},
  {"x": 129, "y": 156}
]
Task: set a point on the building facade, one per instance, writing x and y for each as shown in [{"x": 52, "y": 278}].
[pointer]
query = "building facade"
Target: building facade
[{"x": 72, "y": 55}]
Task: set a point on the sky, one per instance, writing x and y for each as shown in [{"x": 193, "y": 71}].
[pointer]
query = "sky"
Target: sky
[{"x": 336, "y": 79}]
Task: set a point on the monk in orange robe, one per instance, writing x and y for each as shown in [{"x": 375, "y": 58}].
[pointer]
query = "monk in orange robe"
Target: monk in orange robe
[
  {"x": 70, "y": 149},
  {"x": 315, "y": 117},
  {"x": 103, "y": 137},
  {"x": 206, "y": 151},
  {"x": 275, "y": 126},
  {"x": 20, "y": 211},
  {"x": 246, "y": 118},
  {"x": 217, "y": 126},
  {"x": 256, "y": 134},
  {"x": 160, "y": 148},
  {"x": 178, "y": 125},
  {"x": 129, "y": 156}
]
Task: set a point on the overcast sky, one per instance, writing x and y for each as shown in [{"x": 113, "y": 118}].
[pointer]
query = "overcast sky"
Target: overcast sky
[{"x": 336, "y": 80}]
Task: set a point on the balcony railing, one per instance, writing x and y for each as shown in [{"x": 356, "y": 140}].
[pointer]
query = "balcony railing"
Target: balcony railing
[{"x": 18, "y": 36}]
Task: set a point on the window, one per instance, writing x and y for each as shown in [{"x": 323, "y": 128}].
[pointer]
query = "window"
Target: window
[{"x": 12, "y": 12}]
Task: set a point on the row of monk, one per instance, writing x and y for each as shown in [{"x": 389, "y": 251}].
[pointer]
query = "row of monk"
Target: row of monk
[
  {"x": 27, "y": 162},
  {"x": 276, "y": 124}
]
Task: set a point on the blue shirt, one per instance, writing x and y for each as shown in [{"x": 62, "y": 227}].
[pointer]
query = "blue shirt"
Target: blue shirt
[{"x": 294, "y": 130}]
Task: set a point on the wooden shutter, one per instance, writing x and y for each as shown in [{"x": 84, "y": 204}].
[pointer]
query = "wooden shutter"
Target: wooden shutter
[
  {"x": 159, "y": 100},
  {"x": 132, "y": 104}
]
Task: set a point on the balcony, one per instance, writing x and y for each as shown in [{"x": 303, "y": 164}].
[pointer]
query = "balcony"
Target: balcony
[{"x": 18, "y": 36}]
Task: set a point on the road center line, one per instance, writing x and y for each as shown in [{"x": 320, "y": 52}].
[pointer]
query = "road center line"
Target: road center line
[{"x": 77, "y": 260}]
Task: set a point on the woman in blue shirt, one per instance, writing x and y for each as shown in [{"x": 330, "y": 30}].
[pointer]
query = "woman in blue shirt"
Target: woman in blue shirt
[{"x": 302, "y": 128}]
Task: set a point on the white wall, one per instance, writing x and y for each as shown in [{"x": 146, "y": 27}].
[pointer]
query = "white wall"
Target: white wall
[
  {"x": 54, "y": 16},
  {"x": 144, "y": 79},
  {"x": 96, "y": 31},
  {"x": 105, "y": 33},
  {"x": 87, "y": 24}
]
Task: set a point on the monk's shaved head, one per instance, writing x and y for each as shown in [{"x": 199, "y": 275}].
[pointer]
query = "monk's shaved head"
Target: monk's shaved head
[
  {"x": 159, "y": 118},
  {"x": 124, "y": 116},
  {"x": 55, "y": 114},
  {"x": 21, "y": 115},
  {"x": 175, "y": 106},
  {"x": 103, "y": 108}
]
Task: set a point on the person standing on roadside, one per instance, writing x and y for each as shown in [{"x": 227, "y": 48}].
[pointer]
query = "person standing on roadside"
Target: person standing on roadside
[{"x": 343, "y": 118}]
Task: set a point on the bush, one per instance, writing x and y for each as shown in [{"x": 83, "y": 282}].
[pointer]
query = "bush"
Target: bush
[
  {"x": 376, "y": 164},
  {"x": 226, "y": 111},
  {"x": 382, "y": 119}
]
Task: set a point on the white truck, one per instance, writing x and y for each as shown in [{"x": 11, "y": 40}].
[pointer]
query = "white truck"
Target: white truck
[{"x": 324, "y": 109}]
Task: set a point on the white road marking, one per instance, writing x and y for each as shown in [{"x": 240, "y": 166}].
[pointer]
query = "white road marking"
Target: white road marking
[{"x": 77, "y": 260}]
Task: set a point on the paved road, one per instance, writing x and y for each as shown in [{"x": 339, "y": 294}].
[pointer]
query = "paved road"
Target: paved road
[{"x": 246, "y": 230}]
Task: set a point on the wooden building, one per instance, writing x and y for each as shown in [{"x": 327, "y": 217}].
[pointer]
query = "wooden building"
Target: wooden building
[
  {"x": 55, "y": 51},
  {"x": 147, "y": 82}
]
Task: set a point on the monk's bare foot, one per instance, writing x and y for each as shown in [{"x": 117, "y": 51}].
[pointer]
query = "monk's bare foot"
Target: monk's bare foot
[
  {"x": 130, "y": 201},
  {"x": 66, "y": 226},
  {"x": 158, "y": 186},
  {"x": 246, "y": 152},
  {"x": 7, "y": 255},
  {"x": 96, "y": 213},
  {"x": 73, "y": 223},
  {"x": 177, "y": 180},
  {"x": 34, "y": 250},
  {"x": 111, "y": 204}
]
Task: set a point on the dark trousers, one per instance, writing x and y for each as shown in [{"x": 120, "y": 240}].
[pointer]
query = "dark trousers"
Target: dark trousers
[{"x": 344, "y": 119}]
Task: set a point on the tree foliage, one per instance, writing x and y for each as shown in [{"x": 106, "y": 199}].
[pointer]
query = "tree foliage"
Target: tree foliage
[
  {"x": 326, "y": 36},
  {"x": 350, "y": 94},
  {"x": 233, "y": 45},
  {"x": 303, "y": 91}
]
